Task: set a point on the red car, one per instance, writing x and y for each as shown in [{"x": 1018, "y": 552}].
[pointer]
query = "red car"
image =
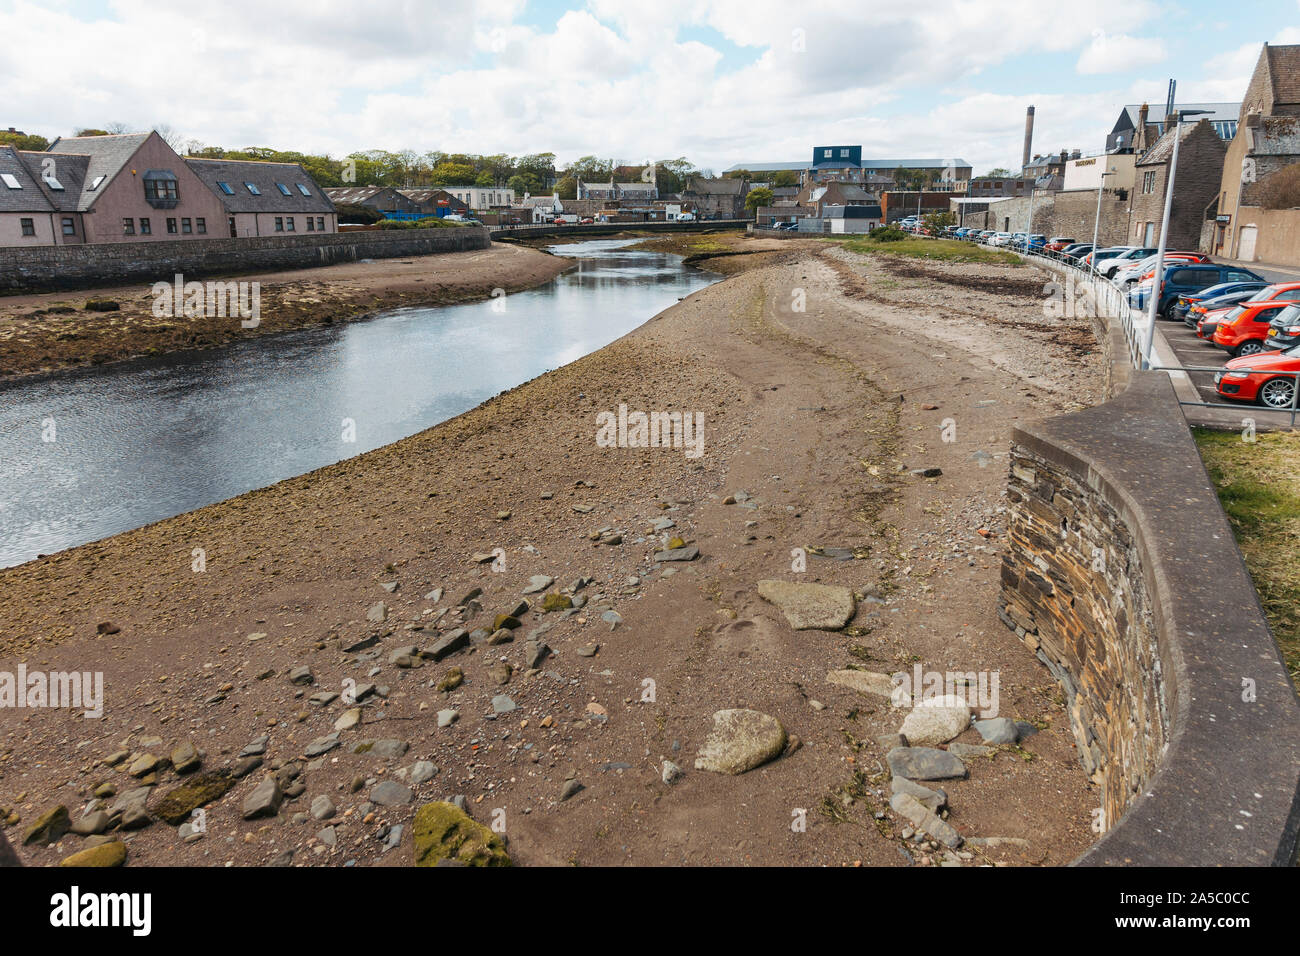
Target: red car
[
  {"x": 1058, "y": 243},
  {"x": 1243, "y": 330},
  {"x": 1261, "y": 378},
  {"x": 1208, "y": 323}
]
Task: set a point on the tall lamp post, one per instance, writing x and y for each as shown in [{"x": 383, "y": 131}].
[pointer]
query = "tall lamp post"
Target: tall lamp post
[
  {"x": 1157, "y": 280},
  {"x": 1096, "y": 223}
]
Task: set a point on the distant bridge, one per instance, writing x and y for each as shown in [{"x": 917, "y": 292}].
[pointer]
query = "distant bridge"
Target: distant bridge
[{"x": 610, "y": 228}]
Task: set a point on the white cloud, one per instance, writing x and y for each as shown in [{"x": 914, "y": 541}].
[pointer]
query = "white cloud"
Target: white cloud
[{"x": 1115, "y": 54}]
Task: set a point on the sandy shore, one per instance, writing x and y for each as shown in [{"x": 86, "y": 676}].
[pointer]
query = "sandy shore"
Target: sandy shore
[
  {"x": 54, "y": 331},
  {"x": 813, "y": 420}
]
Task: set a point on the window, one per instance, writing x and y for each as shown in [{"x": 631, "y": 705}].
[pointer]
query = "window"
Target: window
[
  {"x": 98, "y": 180},
  {"x": 284, "y": 190},
  {"x": 187, "y": 226},
  {"x": 289, "y": 224},
  {"x": 279, "y": 224},
  {"x": 320, "y": 223},
  {"x": 303, "y": 189},
  {"x": 11, "y": 180},
  {"x": 252, "y": 189},
  {"x": 128, "y": 226},
  {"x": 1149, "y": 182},
  {"x": 69, "y": 226},
  {"x": 29, "y": 227},
  {"x": 53, "y": 183},
  {"x": 225, "y": 188},
  {"x": 201, "y": 226},
  {"x": 145, "y": 228},
  {"x": 311, "y": 224},
  {"x": 826, "y": 154},
  {"x": 844, "y": 154},
  {"x": 159, "y": 190},
  {"x": 171, "y": 226}
]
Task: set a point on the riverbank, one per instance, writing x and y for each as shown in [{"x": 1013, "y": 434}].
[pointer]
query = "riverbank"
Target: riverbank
[
  {"x": 852, "y": 419},
  {"x": 41, "y": 333}
]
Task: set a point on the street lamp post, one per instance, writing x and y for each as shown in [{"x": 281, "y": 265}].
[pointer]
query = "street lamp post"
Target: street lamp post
[
  {"x": 1157, "y": 280},
  {"x": 1096, "y": 223}
]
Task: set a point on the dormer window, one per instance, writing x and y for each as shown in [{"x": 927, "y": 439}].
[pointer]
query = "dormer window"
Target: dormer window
[{"x": 161, "y": 189}]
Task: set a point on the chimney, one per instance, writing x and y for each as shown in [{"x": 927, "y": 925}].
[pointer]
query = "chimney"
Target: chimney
[
  {"x": 1029, "y": 135},
  {"x": 1140, "y": 136}
]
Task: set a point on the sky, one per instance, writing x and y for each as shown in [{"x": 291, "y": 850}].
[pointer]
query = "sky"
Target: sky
[{"x": 720, "y": 82}]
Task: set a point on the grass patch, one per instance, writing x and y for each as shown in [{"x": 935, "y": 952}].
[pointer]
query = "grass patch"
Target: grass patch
[
  {"x": 947, "y": 250},
  {"x": 1259, "y": 487}
]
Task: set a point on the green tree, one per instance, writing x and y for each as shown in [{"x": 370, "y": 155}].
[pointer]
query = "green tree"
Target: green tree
[
  {"x": 762, "y": 196},
  {"x": 28, "y": 141},
  {"x": 785, "y": 177},
  {"x": 485, "y": 179},
  {"x": 997, "y": 172},
  {"x": 91, "y": 132},
  {"x": 567, "y": 188},
  {"x": 937, "y": 222},
  {"x": 453, "y": 174}
]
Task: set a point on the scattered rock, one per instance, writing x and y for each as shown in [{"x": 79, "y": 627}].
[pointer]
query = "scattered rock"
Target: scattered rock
[
  {"x": 91, "y": 823},
  {"x": 689, "y": 553},
  {"x": 501, "y": 672},
  {"x": 672, "y": 773},
  {"x": 913, "y": 810},
  {"x": 49, "y": 826},
  {"x": 556, "y": 601},
  {"x": 998, "y": 730},
  {"x": 265, "y": 799},
  {"x": 448, "y": 644},
  {"x": 534, "y": 652},
  {"x": 933, "y": 799},
  {"x": 447, "y": 717},
  {"x": 301, "y": 675},
  {"x": 422, "y": 772},
  {"x": 322, "y": 807},
  {"x": 348, "y": 719},
  {"x": 501, "y": 704},
  {"x": 936, "y": 720},
  {"x": 112, "y": 853},
  {"x": 970, "y": 750},
  {"x": 185, "y": 758},
  {"x": 864, "y": 682},
  {"x": 810, "y": 606},
  {"x": 538, "y": 583},
  {"x": 570, "y": 788},
  {"x": 451, "y": 680},
  {"x": 924, "y": 763},
  {"x": 176, "y": 806},
  {"x": 741, "y": 740},
  {"x": 378, "y": 613}
]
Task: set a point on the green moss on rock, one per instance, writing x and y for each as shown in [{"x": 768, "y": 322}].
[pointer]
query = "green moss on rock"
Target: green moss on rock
[
  {"x": 451, "y": 680},
  {"x": 557, "y": 602},
  {"x": 49, "y": 826},
  {"x": 108, "y": 854},
  {"x": 198, "y": 791},
  {"x": 442, "y": 831}
]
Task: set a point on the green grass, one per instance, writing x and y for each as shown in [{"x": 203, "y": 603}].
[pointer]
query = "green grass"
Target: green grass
[
  {"x": 1259, "y": 487},
  {"x": 948, "y": 250}
]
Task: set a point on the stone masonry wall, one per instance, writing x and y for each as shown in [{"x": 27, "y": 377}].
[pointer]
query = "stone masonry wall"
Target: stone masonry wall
[
  {"x": 69, "y": 267},
  {"x": 1073, "y": 590}
]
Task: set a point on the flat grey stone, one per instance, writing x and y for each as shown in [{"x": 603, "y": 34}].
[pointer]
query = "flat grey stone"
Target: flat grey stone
[
  {"x": 422, "y": 772},
  {"x": 970, "y": 750},
  {"x": 322, "y": 807},
  {"x": 924, "y": 763},
  {"x": 322, "y": 745},
  {"x": 390, "y": 793},
  {"x": 265, "y": 799},
  {"x": 377, "y": 613},
  {"x": 864, "y": 682},
  {"x": 501, "y": 704},
  {"x": 538, "y": 583},
  {"x": 934, "y": 799},
  {"x": 447, "y": 717},
  {"x": 920, "y": 816},
  {"x": 809, "y": 606},
  {"x": 688, "y": 553},
  {"x": 448, "y": 644},
  {"x": 388, "y": 748}
]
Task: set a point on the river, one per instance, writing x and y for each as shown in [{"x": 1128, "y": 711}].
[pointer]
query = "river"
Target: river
[{"x": 93, "y": 452}]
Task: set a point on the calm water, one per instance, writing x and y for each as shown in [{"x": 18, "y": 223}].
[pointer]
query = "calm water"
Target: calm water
[{"x": 144, "y": 440}]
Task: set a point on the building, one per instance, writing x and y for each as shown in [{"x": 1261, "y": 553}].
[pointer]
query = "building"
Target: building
[
  {"x": 1267, "y": 141},
  {"x": 436, "y": 202},
  {"x": 845, "y": 164},
  {"x": 1085, "y": 172},
  {"x": 819, "y": 195},
  {"x": 851, "y": 219},
  {"x": 1200, "y": 170},
  {"x": 716, "y": 198},
  {"x": 380, "y": 199},
  {"x": 998, "y": 187},
  {"x": 636, "y": 192},
  {"x": 27, "y": 217},
  {"x": 899, "y": 204},
  {"x": 266, "y": 199},
  {"x": 1123, "y": 135},
  {"x": 483, "y": 197},
  {"x": 539, "y": 209},
  {"x": 128, "y": 188}
]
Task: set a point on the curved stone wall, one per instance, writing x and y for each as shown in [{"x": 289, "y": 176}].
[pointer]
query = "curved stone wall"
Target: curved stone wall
[{"x": 1122, "y": 575}]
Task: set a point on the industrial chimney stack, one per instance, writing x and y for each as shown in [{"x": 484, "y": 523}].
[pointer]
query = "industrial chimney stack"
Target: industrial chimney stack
[{"x": 1029, "y": 135}]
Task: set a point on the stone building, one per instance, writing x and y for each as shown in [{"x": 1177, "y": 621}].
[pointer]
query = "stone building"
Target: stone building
[
  {"x": 1267, "y": 141},
  {"x": 1200, "y": 170}
]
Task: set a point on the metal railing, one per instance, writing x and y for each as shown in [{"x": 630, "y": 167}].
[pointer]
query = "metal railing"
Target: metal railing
[{"x": 1263, "y": 407}]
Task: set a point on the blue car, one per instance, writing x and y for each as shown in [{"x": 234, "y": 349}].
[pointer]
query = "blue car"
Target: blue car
[
  {"x": 1223, "y": 289},
  {"x": 1186, "y": 279}
]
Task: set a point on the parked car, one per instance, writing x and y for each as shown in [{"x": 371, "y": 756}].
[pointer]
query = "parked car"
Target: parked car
[
  {"x": 1209, "y": 324},
  {"x": 1141, "y": 271},
  {"x": 986, "y": 235},
  {"x": 1121, "y": 257},
  {"x": 1077, "y": 250},
  {"x": 1244, "y": 330},
  {"x": 999, "y": 239},
  {"x": 1284, "y": 330},
  {"x": 1184, "y": 277},
  {"x": 1218, "y": 305},
  {"x": 588, "y": 221},
  {"x": 1058, "y": 243},
  {"x": 1099, "y": 254},
  {"x": 1261, "y": 378},
  {"x": 1225, "y": 290},
  {"x": 1274, "y": 290}
]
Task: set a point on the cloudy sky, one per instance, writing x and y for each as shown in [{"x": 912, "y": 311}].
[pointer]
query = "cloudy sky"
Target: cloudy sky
[{"x": 718, "y": 81}]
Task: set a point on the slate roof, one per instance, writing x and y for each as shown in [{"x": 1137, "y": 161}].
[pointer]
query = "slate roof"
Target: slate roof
[
  {"x": 1284, "y": 71},
  {"x": 715, "y": 187},
  {"x": 266, "y": 177},
  {"x": 886, "y": 164},
  {"x": 29, "y": 198},
  {"x": 851, "y": 212},
  {"x": 69, "y": 171},
  {"x": 1164, "y": 147},
  {"x": 106, "y": 155}
]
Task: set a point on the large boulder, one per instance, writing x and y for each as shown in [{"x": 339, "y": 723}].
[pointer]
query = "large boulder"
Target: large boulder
[
  {"x": 200, "y": 790},
  {"x": 741, "y": 740},
  {"x": 49, "y": 826},
  {"x": 809, "y": 606},
  {"x": 112, "y": 853},
  {"x": 936, "y": 721},
  {"x": 444, "y": 832}
]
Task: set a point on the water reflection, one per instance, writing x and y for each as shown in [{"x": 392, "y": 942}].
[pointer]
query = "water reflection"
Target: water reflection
[{"x": 141, "y": 441}]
